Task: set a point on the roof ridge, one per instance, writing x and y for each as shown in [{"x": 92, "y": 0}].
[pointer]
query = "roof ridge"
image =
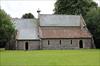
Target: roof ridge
[{"x": 59, "y": 15}]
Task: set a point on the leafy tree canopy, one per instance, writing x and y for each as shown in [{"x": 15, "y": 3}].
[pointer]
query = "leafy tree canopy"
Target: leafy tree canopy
[
  {"x": 74, "y": 7},
  {"x": 93, "y": 23},
  {"x": 6, "y": 26},
  {"x": 27, "y": 15}
]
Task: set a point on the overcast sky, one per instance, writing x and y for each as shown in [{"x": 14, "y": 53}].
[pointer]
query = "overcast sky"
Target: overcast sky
[{"x": 16, "y": 8}]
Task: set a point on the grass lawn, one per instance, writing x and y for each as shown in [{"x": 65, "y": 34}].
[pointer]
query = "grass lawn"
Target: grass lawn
[{"x": 83, "y": 57}]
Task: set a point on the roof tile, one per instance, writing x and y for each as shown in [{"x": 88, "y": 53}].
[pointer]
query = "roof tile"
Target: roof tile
[{"x": 63, "y": 32}]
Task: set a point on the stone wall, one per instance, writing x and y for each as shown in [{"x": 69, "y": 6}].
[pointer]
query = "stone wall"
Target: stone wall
[
  {"x": 87, "y": 43},
  {"x": 54, "y": 44},
  {"x": 65, "y": 43},
  {"x": 32, "y": 45}
]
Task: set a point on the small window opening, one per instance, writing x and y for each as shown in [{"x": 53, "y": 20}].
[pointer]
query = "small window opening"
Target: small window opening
[
  {"x": 71, "y": 41},
  {"x": 48, "y": 42},
  {"x": 60, "y": 42}
]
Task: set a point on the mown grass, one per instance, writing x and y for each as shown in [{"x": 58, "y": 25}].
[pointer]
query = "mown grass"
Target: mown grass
[{"x": 84, "y": 57}]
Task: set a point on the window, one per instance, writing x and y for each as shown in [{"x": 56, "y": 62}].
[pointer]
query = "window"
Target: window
[
  {"x": 48, "y": 42},
  {"x": 71, "y": 41},
  {"x": 60, "y": 42}
]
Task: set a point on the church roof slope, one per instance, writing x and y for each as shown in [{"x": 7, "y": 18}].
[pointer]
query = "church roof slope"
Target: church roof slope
[
  {"x": 26, "y": 29},
  {"x": 59, "y": 20},
  {"x": 63, "y": 32}
]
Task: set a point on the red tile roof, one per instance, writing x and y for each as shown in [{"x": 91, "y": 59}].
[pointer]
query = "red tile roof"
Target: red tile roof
[{"x": 63, "y": 32}]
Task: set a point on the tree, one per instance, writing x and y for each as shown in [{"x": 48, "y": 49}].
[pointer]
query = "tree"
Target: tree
[
  {"x": 93, "y": 23},
  {"x": 74, "y": 7},
  {"x": 28, "y": 15},
  {"x": 6, "y": 26}
]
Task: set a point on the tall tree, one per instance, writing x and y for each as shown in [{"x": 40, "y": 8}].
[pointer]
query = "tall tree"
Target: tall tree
[
  {"x": 74, "y": 7},
  {"x": 93, "y": 24},
  {"x": 28, "y": 15},
  {"x": 6, "y": 26}
]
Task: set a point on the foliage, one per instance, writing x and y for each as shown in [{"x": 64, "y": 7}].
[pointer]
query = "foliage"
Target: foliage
[
  {"x": 6, "y": 26},
  {"x": 93, "y": 23},
  {"x": 74, "y": 7},
  {"x": 50, "y": 58},
  {"x": 28, "y": 15}
]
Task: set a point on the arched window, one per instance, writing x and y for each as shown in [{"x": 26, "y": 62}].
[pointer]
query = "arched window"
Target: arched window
[
  {"x": 48, "y": 42},
  {"x": 60, "y": 42},
  {"x": 71, "y": 41},
  {"x": 81, "y": 44},
  {"x": 26, "y": 45}
]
